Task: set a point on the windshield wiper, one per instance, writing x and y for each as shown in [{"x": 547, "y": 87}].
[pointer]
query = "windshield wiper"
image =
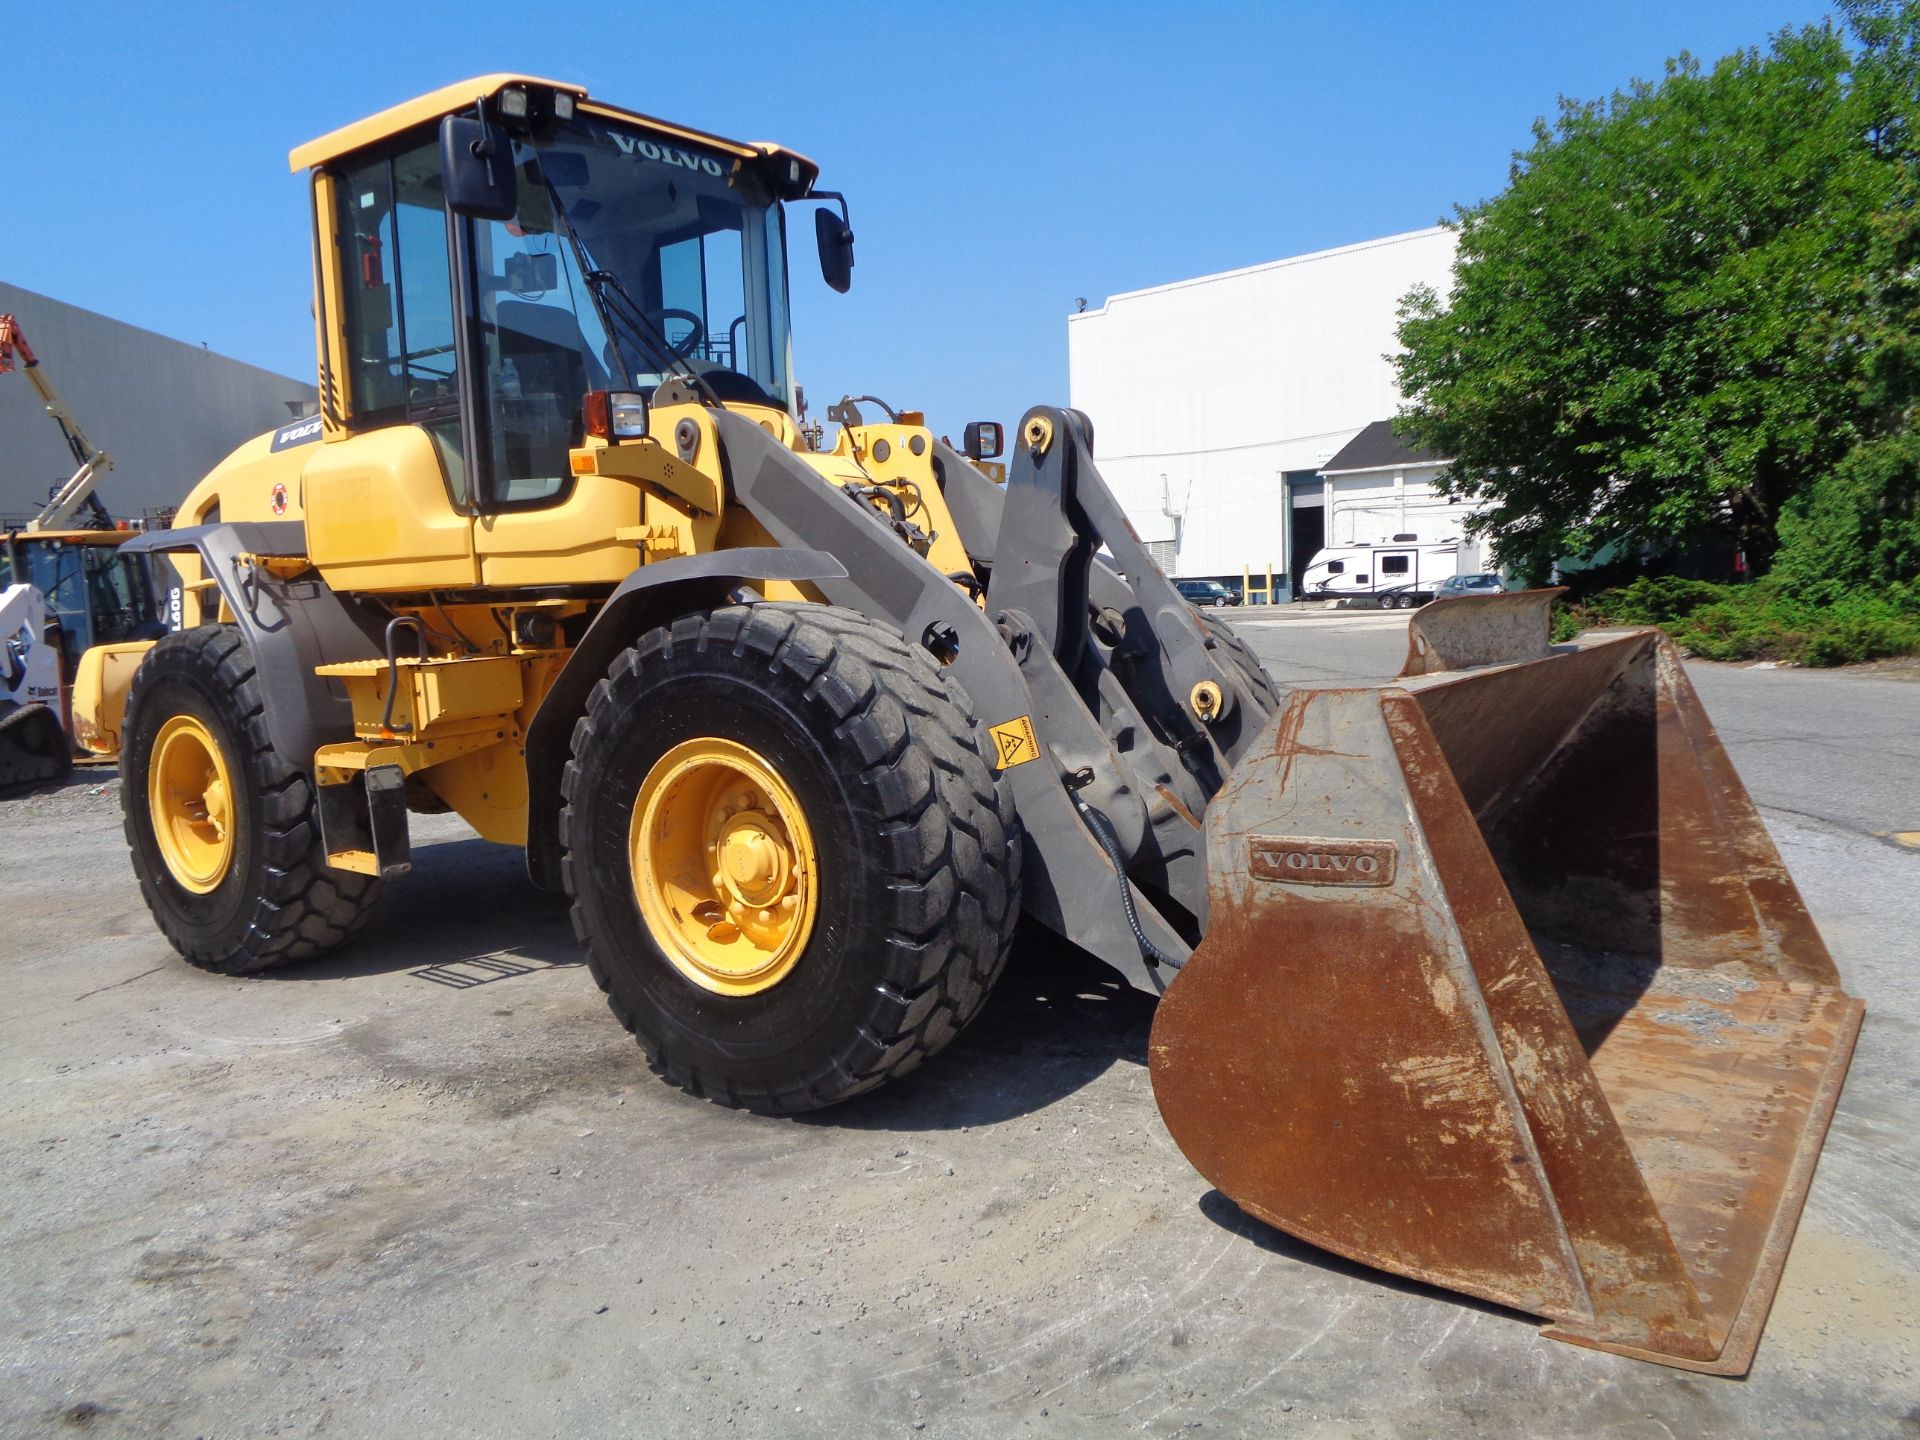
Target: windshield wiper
[{"x": 628, "y": 312}]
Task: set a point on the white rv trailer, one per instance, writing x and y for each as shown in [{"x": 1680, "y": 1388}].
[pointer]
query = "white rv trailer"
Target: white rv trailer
[{"x": 1401, "y": 572}]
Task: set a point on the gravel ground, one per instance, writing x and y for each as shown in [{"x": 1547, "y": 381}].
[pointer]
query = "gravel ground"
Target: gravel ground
[{"x": 428, "y": 1187}]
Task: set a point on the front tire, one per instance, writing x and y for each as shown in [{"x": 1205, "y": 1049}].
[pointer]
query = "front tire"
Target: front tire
[
  {"x": 222, "y": 828},
  {"x": 1240, "y": 655},
  {"x": 795, "y": 874}
]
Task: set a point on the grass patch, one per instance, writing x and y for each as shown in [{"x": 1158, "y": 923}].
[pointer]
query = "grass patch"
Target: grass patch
[{"x": 1758, "y": 621}]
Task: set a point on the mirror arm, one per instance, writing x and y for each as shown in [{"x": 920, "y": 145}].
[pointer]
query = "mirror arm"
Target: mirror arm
[
  {"x": 483, "y": 149},
  {"x": 846, "y": 219}
]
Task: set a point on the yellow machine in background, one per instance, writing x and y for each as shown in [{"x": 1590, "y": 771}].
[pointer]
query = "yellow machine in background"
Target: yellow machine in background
[
  {"x": 803, "y": 732},
  {"x": 66, "y": 598}
]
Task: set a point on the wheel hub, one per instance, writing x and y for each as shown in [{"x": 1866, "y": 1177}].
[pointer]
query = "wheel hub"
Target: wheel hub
[
  {"x": 723, "y": 866},
  {"x": 190, "y": 803}
]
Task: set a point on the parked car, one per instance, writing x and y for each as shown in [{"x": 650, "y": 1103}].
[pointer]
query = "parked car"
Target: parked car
[
  {"x": 1456, "y": 585},
  {"x": 1206, "y": 592}
]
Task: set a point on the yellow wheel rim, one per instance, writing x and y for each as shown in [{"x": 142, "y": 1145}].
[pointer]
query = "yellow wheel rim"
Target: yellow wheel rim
[
  {"x": 190, "y": 798},
  {"x": 723, "y": 866}
]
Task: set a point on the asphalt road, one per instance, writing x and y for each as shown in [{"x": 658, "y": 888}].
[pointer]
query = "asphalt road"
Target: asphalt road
[
  {"x": 427, "y": 1187},
  {"x": 1832, "y": 748}
]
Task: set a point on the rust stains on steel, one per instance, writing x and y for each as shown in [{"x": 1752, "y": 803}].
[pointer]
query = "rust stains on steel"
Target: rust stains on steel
[
  {"x": 1478, "y": 630},
  {"x": 1575, "y": 1054}
]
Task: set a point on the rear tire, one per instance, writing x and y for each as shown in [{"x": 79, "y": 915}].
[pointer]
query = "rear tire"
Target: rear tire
[
  {"x": 243, "y": 885},
  {"x": 34, "y": 749},
  {"x": 909, "y": 847}
]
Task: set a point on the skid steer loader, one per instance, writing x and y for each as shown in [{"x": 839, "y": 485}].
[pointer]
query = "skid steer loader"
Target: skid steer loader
[
  {"x": 66, "y": 598},
  {"x": 1490, "y": 977}
]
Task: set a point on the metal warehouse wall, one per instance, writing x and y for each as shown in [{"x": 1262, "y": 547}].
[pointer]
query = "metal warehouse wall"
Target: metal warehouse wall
[
  {"x": 166, "y": 411},
  {"x": 1224, "y": 383}
]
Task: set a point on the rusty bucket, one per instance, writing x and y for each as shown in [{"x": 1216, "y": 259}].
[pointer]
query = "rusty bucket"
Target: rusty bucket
[{"x": 1505, "y": 988}]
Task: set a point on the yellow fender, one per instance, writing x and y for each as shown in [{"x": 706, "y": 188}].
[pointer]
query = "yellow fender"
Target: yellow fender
[{"x": 100, "y": 685}]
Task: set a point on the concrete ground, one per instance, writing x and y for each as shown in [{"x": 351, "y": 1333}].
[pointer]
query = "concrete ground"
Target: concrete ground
[{"x": 428, "y": 1188}]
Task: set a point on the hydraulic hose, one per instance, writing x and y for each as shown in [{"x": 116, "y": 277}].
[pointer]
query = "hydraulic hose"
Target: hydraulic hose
[{"x": 1103, "y": 834}]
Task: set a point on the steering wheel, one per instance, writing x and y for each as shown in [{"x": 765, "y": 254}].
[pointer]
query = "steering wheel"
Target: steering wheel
[{"x": 690, "y": 342}]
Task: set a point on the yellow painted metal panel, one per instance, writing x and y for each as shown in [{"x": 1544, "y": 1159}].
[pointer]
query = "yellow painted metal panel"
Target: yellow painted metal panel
[
  {"x": 433, "y": 693},
  {"x": 489, "y": 790},
  {"x": 379, "y": 516},
  {"x": 456, "y": 689},
  {"x": 100, "y": 685},
  {"x": 572, "y": 543},
  {"x": 408, "y": 113},
  {"x": 449, "y": 99},
  {"x": 650, "y": 462}
]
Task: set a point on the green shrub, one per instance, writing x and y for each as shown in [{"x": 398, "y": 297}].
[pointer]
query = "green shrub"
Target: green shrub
[
  {"x": 1567, "y": 622},
  {"x": 1761, "y": 621},
  {"x": 1657, "y": 600}
]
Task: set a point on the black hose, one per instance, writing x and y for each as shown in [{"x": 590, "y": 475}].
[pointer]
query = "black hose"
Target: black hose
[
  {"x": 1108, "y": 841},
  {"x": 393, "y": 668}
]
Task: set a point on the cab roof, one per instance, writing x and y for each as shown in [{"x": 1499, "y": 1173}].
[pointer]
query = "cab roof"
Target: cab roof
[{"x": 449, "y": 99}]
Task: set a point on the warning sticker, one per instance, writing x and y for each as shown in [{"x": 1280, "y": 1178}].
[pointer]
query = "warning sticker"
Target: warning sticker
[{"x": 1013, "y": 743}]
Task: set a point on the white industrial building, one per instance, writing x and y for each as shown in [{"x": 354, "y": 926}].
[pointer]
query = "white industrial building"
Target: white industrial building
[{"x": 1241, "y": 417}]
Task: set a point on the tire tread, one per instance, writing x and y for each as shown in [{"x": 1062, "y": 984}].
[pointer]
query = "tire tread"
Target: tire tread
[
  {"x": 304, "y": 909},
  {"x": 946, "y": 820}
]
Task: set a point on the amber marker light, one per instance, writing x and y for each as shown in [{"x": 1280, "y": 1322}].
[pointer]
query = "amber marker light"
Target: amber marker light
[{"x": 615, "y": 414}]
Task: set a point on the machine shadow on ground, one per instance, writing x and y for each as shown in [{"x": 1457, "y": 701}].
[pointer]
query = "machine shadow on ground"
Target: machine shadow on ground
[
  {"x": 1058, "y": 1019},
  {"x": 1231, "y": 1218},
  {"x": 466, "y": 914}
]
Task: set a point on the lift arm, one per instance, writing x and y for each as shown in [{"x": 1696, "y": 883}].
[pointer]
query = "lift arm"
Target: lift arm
[{"x": 78, "y": 488}]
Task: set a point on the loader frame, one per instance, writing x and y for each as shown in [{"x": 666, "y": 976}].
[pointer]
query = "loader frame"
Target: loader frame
[{"x": 1030, "y": 657}]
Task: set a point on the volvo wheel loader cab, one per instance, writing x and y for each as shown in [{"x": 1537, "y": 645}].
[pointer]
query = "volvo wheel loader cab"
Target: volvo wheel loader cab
[{"x": 803, "y": 732}]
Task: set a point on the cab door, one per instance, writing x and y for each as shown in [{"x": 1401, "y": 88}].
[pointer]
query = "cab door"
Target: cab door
[
  {"x": 385, "y": 498},
  {"x": 538, "y": 345}
]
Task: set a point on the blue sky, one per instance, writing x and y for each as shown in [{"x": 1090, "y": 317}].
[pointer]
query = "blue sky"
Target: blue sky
[{"x": 1001, "y": 159}]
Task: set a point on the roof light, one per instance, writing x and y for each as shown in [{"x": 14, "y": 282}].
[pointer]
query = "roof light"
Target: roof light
[
  {"x": 513, "y": 103},
  {"x": 562, "y": 105}
]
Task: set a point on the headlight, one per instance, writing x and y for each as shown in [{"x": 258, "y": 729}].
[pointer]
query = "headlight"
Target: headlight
[{"x": 615, "y": 414}]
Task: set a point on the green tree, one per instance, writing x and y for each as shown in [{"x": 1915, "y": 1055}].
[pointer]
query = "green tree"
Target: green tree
[{"x": 1678, "y": 311}]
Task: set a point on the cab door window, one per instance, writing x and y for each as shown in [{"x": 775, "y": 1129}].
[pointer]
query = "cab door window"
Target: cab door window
[
  {"x": 544, "y": 347},
  {"x": 369, "y": 314},
  {"x": 397, "y": 298}
]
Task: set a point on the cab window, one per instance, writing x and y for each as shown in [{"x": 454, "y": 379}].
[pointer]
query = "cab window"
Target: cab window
[
  {"x": 545, "y": 347},
  {"x": 397, "y": 298}
]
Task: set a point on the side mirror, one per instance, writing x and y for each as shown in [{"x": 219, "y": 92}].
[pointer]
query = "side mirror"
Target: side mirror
[
  {"x": 983, "y": 439},
  {"x": 835, "y": 236},
  {"x": 476, "y": 160}
]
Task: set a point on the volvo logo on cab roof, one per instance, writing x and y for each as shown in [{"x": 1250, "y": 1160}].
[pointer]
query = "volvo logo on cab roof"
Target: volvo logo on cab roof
[
  {"x": 668, "y": 154},
  {"x": 1308, "y": 860}
]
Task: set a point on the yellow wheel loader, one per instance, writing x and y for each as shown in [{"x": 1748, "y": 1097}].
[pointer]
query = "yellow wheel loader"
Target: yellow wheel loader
[
  {"x": 64, "y": 592},
  {"x": 69, "y": 599},
  {"x": 1490, "y": 977}
]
